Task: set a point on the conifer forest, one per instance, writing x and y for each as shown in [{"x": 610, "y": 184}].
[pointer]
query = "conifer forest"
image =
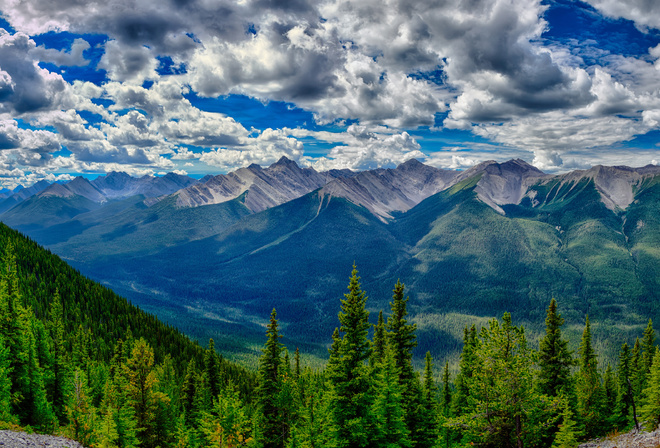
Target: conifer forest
[{"x": 79, "y": 361}]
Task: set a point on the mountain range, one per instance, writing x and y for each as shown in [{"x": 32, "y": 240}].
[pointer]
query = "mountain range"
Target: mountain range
[{"x": 215, "y": 255}]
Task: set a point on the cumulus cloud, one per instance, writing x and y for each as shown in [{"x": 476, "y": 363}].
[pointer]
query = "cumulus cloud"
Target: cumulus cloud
[
  {"x": 24, "y": 87},
  {"x": 73, "y": 57},
  {"x": 645, "y": 13},
  {"x": 484, "y": 64},
  {"x": 128, "y": 64}
]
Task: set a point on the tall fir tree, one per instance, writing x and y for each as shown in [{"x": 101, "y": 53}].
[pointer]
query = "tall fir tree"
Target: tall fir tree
[
  {"x": 142, "y": 393},
  {"x": 427, "y": 433},
  {"x": 402, "y": 336},
  {"x": 212, "y": 369},
  {"x": 348, "y": 373},
  {"x": 650, "y": 412},
  {"x": 378, "y": 346},
  {"x": 389, "y": 419},
  {"x": 623, "y": 412},
  {"x": 466, "y": 369},
  {"x": 61, "y": 376},
  {"x": 648, "y": 348},
  {"x": 5, "y": 383},
  {"x": 588, "y": 388},
  {"x": 268, "y": 391},
  {"x": 568, "y": 434},
  {"x": 555, "y": 359},
  {"x": 445, "y": 413}
]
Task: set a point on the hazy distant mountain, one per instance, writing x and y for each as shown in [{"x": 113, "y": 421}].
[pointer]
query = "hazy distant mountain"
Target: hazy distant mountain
[
  {"x": 21, "y": 194},
  {"x": 120, "y": 185}
]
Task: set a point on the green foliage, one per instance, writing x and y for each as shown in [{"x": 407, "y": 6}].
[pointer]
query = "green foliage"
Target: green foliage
[
  {"x": 272, "y": 429},
  {"x": 568, "y": 434},
  {"x": 349, "y": 375},
  {"x": 589, "y": 391},
  {"x": 555, "y": 359},
  {"x": 651, "y": 410}
]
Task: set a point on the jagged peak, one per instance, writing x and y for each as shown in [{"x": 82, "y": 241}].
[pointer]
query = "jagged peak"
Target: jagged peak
[
  {"x": 411, "y": 163},
  {"x": 285, "y": 161},
  {"x": 254, "y": 167}
]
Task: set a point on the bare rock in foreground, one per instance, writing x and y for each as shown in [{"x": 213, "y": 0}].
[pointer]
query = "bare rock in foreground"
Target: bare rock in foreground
[
  {"x": 12, "y": 439},
  {"x": 632, "y": 439}
]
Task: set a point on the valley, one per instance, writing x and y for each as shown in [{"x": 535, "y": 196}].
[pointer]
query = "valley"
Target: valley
[{"x": 214, "y": 257}]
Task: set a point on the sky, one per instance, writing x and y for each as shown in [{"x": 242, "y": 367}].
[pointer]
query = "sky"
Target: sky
[{"x": 208, "y": 86}]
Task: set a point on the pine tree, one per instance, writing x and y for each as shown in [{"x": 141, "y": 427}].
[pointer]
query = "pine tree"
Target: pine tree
[
  {"x": 270, "y": 423},
  {"x": 5, "y": 383},
  {"x": 80, "y": 413},
  {"x": 387, "y": 410},
  {"x": 648, "y": 348},
  {"x": 378, "y": 346},
  {"x": 227, "y": 424},
  {"x": 445, "y": 413},
  {"x": 651, "y": 410},
  {"x": 609, "y": 400},
  {"x": 588, "y": 387},
  {"x": 637, "y": 371},
  {"x": 428, "y": 410},
  {"x": 212, "y": 369},
  {"x": 624, "y": 401},
  {"x": 501, "y": 388},
  {"x": 188, "y": 395},
  {"x": 402, "y": 336},
  {"x": 60, "y": 385},
  {"x": 567, "y": 436},
  {"x": 142, "y": 394},
  {"x": 466, "y": 368},
  {"x": 348, "y": 374},
  {"x": 555, "y": 359}
]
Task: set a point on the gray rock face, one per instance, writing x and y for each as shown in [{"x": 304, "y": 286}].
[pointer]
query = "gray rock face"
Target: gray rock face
[
  {"x": 616, "y": 184},
  {"x": 506, "y": 183},
  {"x": 384, "y": 191},
  {"x": 266, "y": 187},
  {"x": 11, "y": 439}
]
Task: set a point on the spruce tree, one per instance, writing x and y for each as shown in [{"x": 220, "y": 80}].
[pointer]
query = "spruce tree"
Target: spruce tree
[
  {"x": 268, "y": 391},
  {"x": 650, "y": 412},
  {"x": 466, "y": 369},
  {"x": 348, "y": 373},
  {"x": 555, "y": 359},
  {"x": 212, "y": 370},
  {"x": 142, "y": 392},
  {"x": 379, "y": 342},
  {"x": 568, "y": 434},
  {"x": 387, "y": 411},
  {"x": 588, "y": 387},
  {"x": 624, "y": 401},
  {"x": 61, "y": 377},
  {"x": 648, "y": 348},
  {"x": 445, "y": 413},
  {"x": 402, "y": 336},
  {"x": 5, "y": 383},
  {"x": 428, "y": 410}
]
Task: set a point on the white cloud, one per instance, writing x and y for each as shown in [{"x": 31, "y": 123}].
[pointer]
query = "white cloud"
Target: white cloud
[
  {"x": 645, "y": 13},
  {"x": 74, "y": 57}
]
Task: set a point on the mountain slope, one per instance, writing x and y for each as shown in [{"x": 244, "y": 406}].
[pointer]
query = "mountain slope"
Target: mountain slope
[{"x": 266, "y": 187}]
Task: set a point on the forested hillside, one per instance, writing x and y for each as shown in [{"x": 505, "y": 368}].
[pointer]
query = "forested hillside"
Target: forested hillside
[{"x": 77, "y": 360}]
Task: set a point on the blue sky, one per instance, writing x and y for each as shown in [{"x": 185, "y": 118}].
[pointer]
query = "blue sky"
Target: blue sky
[{"x": 207, "y": 87}]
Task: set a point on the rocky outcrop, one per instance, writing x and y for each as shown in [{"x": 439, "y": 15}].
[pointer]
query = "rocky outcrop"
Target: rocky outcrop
[
  {"x": 12, "y": 439},
  {"x": 632, "y": 439}
]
